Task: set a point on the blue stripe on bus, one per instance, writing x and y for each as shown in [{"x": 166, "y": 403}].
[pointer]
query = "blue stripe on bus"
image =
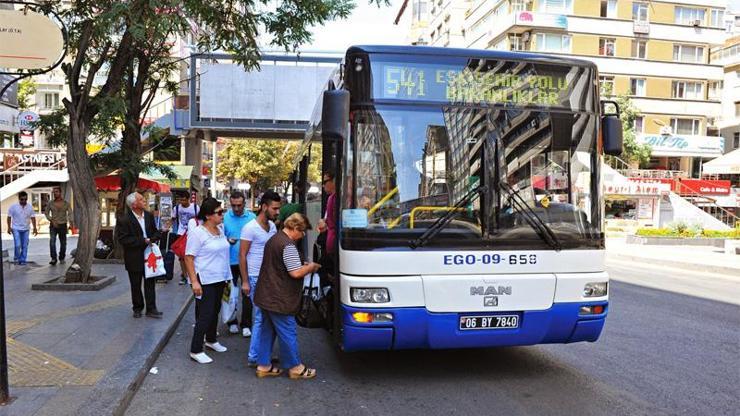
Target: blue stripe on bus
[{"x": 419, "y": 328}]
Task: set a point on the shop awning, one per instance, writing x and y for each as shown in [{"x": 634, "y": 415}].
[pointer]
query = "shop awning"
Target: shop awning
[
  {"x": 182, "y": 176},
  {"x": 113, "y": 183},
  {"x": 723, "y": 165}
]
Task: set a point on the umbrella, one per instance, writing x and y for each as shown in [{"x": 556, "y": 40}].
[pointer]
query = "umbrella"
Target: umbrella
[{"x": 113, "y": 183}]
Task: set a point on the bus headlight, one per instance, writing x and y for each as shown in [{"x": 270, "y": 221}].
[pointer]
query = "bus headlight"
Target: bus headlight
[
  {"x": 369, "y": 295},
  {"x": 595, "y": 289}
]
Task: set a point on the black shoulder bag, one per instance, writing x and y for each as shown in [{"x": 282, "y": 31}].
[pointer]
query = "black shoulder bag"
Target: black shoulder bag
[{"x": 314, "y": 307}]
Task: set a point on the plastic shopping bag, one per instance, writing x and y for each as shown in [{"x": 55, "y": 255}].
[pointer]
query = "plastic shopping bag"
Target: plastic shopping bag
[
  {"x": 153, "y": 262},
  {"x": 229, "y": 300}
]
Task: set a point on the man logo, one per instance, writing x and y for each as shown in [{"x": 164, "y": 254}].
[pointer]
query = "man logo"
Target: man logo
[
  {"x": 490, "y": 301},
  {"x": 490, "y": 290}
]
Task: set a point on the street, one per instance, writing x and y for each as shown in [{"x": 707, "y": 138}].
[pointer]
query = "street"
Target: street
[{"x": 661, "y": 352}]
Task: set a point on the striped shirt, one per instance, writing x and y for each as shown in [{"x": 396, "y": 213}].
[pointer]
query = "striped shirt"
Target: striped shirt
[{"x": 291, "y": 258}]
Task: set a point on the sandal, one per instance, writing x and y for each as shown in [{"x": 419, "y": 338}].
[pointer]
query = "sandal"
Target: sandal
[
  {"x": 305, "y": 374},
  {"x": 272, "y": 372}
]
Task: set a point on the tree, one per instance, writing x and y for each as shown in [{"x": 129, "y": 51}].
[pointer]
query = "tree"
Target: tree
[
  {"x": 633, "y": 152},
  {"x": 115, "y": 55},
  {"x": 26, "y": 90},
  {"x": 261, "y": 163}
]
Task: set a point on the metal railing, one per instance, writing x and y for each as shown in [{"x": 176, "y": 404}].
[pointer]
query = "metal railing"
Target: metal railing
[
  {"x": 18, "y": 170},
  {"x": 654, "y": 173},
  {"x": 707, "y": 204}
]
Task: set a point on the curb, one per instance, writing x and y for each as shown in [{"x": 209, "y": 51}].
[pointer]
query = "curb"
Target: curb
[
  {"x": 732, "y": 271},
  {"x": 134, "y": 386}
]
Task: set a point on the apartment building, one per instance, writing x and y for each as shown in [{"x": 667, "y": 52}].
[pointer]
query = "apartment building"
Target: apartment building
[{"x": 656, "y": 52}]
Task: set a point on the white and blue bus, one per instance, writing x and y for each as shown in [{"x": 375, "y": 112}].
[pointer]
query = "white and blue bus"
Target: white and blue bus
[{"x": 469, "y": 202}]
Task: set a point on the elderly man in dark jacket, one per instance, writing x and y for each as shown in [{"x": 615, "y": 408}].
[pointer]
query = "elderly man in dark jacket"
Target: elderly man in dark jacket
[{"x": 135, "y": 231}]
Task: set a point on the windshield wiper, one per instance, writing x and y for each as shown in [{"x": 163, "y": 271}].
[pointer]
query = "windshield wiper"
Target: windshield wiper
[
  {"x": 542, "y": 229},
  {"x": 442, "y": 221}
]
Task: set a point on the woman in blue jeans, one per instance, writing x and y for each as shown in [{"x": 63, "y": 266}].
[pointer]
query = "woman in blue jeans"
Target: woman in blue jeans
[{"x": 278, "y": 294}]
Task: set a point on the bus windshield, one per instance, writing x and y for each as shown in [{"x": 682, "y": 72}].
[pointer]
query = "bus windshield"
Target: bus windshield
[{"x": 408, "y": 165}]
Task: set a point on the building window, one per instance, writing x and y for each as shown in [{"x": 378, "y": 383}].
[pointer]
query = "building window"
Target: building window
[
  {"x": 419, "y": 10},
  {"x": 685, "y": 125},
  {"x": 736, "y": 140},
  {"x": 639, "y": 49},
  {"x": 637, "y": 87},
  {"x": 737, "y": 109},
  {"x": 51, "y": 100},
  {"x": 516, "y": 43},
  {"x": 715, "y": 90},
  {"x": 688, "y": 90},
  {"x": 717, "y": 18},
  {"x": 606, "y": 85},
  {"x": 688, "y": 53},
  {"x": 520, "y": 5},
  {"x": 550, "y": 42},
  {"x": 609, "y": 8},
  {"x": 555, "y": 6},
  {"x": 607, "y": 46},
  {"x": 688, "y": 15},
  {"x": 640, "y": 11},
  {"x": 638, "y": 124}
]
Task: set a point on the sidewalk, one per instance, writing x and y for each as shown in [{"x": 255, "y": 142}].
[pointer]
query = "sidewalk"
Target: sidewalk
[
  {"x": 696, "y": 258},
  {"x": 80, "y": 353}
]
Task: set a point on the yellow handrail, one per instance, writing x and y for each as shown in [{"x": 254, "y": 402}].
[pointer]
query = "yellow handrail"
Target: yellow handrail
[
  {"x": 423, "y": 208},
  {"x": 382, "y": 201}
]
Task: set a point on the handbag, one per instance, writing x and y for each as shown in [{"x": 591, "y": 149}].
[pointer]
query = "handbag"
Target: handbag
[
  {"x": 314, "y": 307},
  {"x": 178, "y": 247},
  {"x": 153, "y": 262},
  {"x": 229, "y": 301}
]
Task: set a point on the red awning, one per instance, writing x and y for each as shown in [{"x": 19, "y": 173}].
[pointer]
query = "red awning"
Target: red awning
[{"x": 113, "y": 183}]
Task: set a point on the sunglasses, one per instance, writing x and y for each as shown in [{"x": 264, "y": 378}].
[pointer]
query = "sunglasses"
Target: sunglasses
[{"x": 219, "y": 212}]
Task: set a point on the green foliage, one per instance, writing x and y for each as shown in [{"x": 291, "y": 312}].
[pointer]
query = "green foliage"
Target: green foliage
[
  {"x": 633, "y": 151},
  {"x": 682, "y": 230},
  {"x": 26, "y": 90},
  {"x": 261, "y": 163}
]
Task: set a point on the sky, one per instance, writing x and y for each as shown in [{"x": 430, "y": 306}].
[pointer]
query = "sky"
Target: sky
[{"x": 368, "y": 24}]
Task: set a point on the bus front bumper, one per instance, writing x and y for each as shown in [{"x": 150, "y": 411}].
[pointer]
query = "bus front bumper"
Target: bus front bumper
[{"x": 416, "y": 327}]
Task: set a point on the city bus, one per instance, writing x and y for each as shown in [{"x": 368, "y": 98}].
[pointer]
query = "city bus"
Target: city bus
[{"x": 468, "y": 202}]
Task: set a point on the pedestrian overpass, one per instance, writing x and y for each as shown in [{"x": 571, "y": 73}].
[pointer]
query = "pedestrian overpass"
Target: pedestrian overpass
[{"x": 272, "y": 102}]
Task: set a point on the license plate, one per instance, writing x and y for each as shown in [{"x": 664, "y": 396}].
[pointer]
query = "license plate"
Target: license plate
[{"x": 468, "y": 323}]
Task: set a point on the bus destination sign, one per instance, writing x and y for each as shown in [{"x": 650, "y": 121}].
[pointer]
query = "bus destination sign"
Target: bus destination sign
[{"x": 442, "y": 83}]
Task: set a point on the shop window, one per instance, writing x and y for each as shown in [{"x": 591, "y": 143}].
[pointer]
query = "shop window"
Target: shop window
[
  {"x": 687, "y": 90},
  {"x": 688, "y": 53},
  {"x": 607, "y": 46},
  {"x": 638, "y": 124},
  {"x": 639, "y": 49},
  {"x": 550, "y": 42},
  {"x": 640, "y": 11},
  {"x": 40, "y": 199},
  {"x": 606, "y": 85},
  {"x": 685, "y": 126},
  {"x": 688, "y": 15},
  {"x": 637, "y": 87},
  {"x": 609, "y": 8}
]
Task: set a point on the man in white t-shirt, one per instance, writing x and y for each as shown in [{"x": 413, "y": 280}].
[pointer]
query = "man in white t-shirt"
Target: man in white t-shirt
[
  {"x": 253, "y": 238},
  {"x": 183, "y": 213},
  {"x": 20, "y": 216}
]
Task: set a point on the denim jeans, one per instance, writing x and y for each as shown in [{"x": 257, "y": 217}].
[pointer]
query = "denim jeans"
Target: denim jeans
[
  {"x": 60, "y": 231},
  {"x": 256, "y": 322},
  {"x": 285, "y": 327},
  {"x": 20, "y": 238}
]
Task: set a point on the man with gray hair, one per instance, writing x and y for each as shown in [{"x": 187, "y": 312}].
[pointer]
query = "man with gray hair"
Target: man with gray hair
[{"x": 135, "y": 230}]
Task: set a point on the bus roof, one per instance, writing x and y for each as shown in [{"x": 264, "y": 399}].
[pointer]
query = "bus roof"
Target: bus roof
[{"x": 470, "y": 53}]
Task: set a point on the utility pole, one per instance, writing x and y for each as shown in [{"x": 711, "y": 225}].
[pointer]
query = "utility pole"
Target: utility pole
[{"x": 213, "y": 169}]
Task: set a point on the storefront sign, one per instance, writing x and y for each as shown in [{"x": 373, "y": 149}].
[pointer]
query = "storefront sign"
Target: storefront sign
[
  {"x": 645, "y": 208},
  {"x": 8, "y": 116},
  {"x": 30, "y": 159},
  {"x": 556, "y": 21},
  {"x": 29, "y": 40},
  {"x": 706, "y": 187},
  {"x": 633, "y": 188},
  {"x": 683, "y": 145},
  {"x": 27, "y": 120}
]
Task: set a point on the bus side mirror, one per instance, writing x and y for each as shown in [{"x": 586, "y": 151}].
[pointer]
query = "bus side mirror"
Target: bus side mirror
[
  {"x": 611, "y": 130},
  {"x": 335, "y": 114}
]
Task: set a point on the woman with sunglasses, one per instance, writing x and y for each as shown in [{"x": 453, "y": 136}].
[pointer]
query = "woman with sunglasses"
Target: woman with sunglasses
[{"x": 207, "y": 264}]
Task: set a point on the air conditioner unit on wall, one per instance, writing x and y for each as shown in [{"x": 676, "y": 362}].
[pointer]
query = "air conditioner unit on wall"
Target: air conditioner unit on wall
[
  {"x": 697, "y": 22},
  {"x": 525, "y": 36},
  {"x": 666, "y": 130}
]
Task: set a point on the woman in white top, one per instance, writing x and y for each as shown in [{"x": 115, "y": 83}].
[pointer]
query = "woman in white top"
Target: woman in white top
[{"x": 207, "y": 264}]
